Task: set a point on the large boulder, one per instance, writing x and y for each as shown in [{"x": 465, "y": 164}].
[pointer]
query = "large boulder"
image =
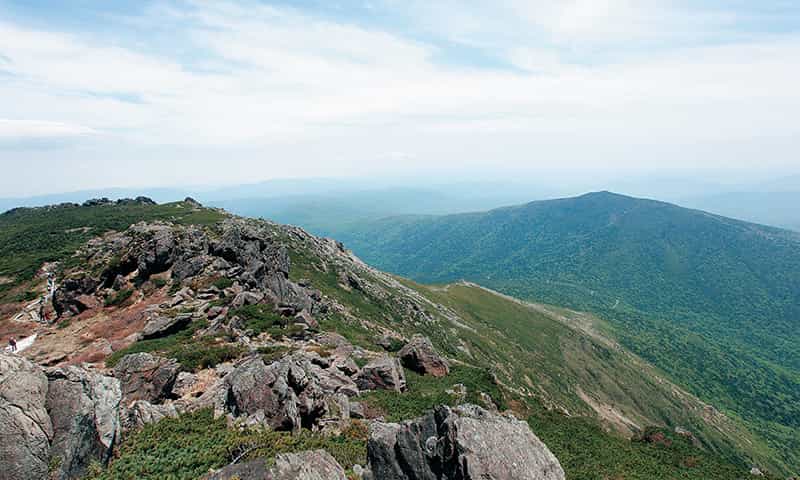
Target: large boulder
[
  {"x": 146, "y": 377},
  {"x": 288, "y": 394},
  {"x": 263, "y": 392},
  {"x": 420, "y": 356},
  {"x": 84, "y": 410},
  {"x": 464, "y": 443},
  {"x": 25, "y": 424},
  {"x": 163, "y": 325},
  {"x": 382, "y": 373},
  {"x": 311, "y": 465},
  {"x": 142, "y": 412}
]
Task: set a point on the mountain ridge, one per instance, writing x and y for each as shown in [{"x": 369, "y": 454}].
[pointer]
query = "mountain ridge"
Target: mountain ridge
[
  {"x": 498, "y": 349},
  {"x": 721, "y": 294}
]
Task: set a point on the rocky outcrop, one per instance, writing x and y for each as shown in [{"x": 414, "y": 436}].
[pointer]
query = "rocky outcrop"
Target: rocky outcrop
[
  {"x": 141, "y": 412},
  {"x": 464, "y": 443},
  {"x": 55, "y": 422},
  {"x": 288, "y": 394},
  {"x": 382, "y": 373},
  {"x": 146, "y": 377},
  {"x": 420, "y": 356},
  {"x": 84, "y": 410},
  {"x": 68, "y": 298},
  {"x": 245, "y": 252},
  {"x": 312, "y": 465},
  {"x": 25, "y": 423}
]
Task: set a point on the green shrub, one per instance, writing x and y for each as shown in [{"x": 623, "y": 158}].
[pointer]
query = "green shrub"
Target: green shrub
[
  {"x": 273, "y": 352},
  {"x": 395, "y": 344},
  {"x": 223, "y": 283},
  {"x": 159, "y": 282},
  {"x": 187, "y": 447},
  {"x": 26, "y": 296},
  {"x": 425, "y": 392},
  {"x": 192, "y": 352},
  {"x": 262, "y": 318},
  {"x": 119, "y": 298}
]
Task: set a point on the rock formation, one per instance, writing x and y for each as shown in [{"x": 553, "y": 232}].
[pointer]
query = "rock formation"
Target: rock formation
[
  {"x": 464, "y": 443},
  {"x": 56, "y": 422},
  {"x": 420, "y": 356},
  {"x": 382, "y": 373},
  {"x": 311, "y": 465},
  {"x": 146, "y": 377}
]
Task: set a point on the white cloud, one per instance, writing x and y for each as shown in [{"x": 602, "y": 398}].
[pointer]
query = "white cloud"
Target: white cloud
[
  {"x": 288, "y": 86},
  {"x": 36, "y": 130}
]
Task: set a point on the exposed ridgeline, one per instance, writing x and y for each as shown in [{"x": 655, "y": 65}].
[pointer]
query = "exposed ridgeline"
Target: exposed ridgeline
[
  {"x": 199, "y": 344},
  {"x": 713, "y": 301}
]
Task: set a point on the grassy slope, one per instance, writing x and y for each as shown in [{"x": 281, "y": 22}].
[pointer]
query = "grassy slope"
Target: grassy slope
[
  {"x": 712, "y": 301},
  {"x": 533, "y": 351}
]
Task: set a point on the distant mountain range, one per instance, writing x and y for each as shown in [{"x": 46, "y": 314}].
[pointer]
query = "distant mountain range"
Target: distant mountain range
[
  {"x": 713, "y": 301},
  {"x": 325, "y": 205}
]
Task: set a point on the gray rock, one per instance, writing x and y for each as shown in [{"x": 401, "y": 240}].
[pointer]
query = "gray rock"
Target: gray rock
[
  {"x": 312, "y": 465},
  {"x": 254, "y": 470},
  {"x": 84, "y": 410},
  {"x": 261, "y": 391},
  {"x": 382, "y": 373},
  {"x": 162, "y": 326},
  {"x": 146, "y": 377},
  {"x": 184, "y": 383},
  {"x": 464, "y": 443},
  {"x": 27, "y": 430},
  {"x": 247, "y": 298},
  {"x": 357, "y": 410},
  {"x": 358, "y": 471},
  {"x": 141, "y": 412},
  {"x": 67, "y": 297},
  {"x": 288, "y": 394},
  {"x": 420, "y": 356},
  {"x": 305, "y": 318},
  {"x": 189, "y": 266}
]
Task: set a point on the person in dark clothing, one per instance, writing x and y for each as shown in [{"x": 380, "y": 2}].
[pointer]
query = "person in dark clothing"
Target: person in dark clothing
[{"x": 13, "y": 344}]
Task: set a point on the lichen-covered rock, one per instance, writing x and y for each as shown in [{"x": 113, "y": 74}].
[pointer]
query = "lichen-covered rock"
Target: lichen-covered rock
[
  {"x": 311, "y": 465},
  {"x": 144, "y": 376},
  {"x": 420, "y": 356},
  {"x": 287, "y": 394},
  {"x": 464, "y": 443},
  {"x": 382, "y": 373},
  {"x": 253, "y": 470},
  {"x": 163, "y": 325},
  {"x": 25, "y": 424},
  {"x": 141, "y": 412},
  {"x": 84, "y": 410}
]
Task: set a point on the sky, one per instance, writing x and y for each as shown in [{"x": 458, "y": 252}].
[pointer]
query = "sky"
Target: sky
[{"x": 186, "y": 92}]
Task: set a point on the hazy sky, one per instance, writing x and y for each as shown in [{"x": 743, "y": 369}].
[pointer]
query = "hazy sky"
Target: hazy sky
[{"x": 128, "y": 93}]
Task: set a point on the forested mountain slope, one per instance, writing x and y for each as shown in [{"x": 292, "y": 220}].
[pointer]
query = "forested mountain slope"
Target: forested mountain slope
[{"x": 713, "y": 301}]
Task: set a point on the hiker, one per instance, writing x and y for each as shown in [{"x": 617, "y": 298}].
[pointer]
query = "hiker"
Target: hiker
[{"x": 13, "y": 344}]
